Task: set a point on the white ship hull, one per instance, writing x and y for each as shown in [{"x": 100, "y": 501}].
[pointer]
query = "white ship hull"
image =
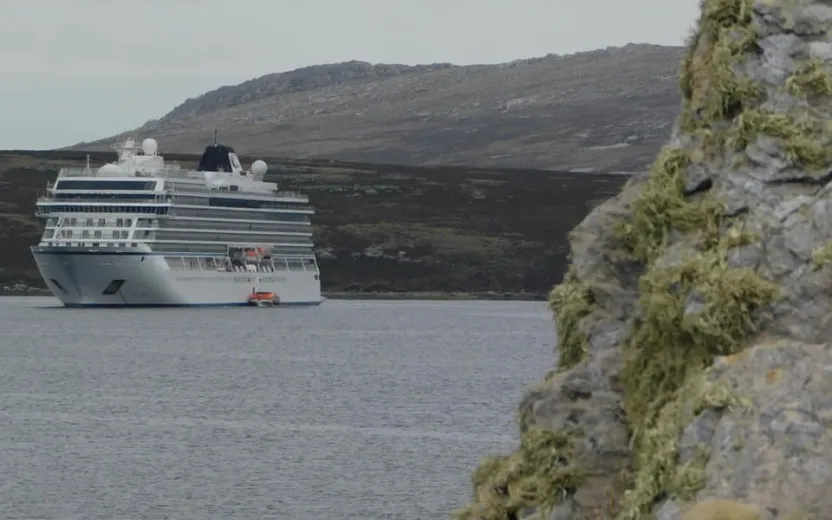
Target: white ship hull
[{"x": 83, "y": 275}]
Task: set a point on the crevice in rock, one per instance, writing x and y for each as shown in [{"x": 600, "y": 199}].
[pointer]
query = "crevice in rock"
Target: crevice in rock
[
  {"x": 701, "y": 187},
  {"x": 813, "y": 181},
  {"x": 738, "y": 212}
]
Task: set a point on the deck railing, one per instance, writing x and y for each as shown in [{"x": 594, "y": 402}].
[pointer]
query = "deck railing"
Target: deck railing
[{"x": 177, "y": 173}]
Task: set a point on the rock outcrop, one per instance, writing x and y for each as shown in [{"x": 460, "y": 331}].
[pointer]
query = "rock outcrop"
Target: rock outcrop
[{"x": 695, "y": 350}]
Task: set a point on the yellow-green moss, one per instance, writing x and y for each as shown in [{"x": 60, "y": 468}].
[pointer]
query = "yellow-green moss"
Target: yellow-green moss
[
  {"x": 668, "y": 350},
  {"x": 539, "y": 474},
  {"x": 657, "y": 469},
  {"x": 662, "y": 207},
  {"x": 815, "y": 510},
  {"x": 489, "y": 467},
  {"x": 719, "y": 15},
  {"x": 685, "y": 77},
  {"x": 711, "y": 89},
  {"x": 822, "y": 256},
  {"x": 810, "y": 78},
  {"x": 806, "y": 139},
  {"x": 668, "y": 340},
  {"x": 690, "y": 478},
  {"x": 570, "y": 302},
  {"x": 701, "y": 307}
]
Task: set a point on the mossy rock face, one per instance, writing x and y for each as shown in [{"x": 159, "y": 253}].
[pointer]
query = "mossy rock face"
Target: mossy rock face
[
  {"x": 691, "y": 313},
  {"x": 754, "y": 392},
  {"x": 573, "y": 395},
  {"x": 540, "y": 474},
  {"x": 571, "y": 301},
  {"x": 663, "y": 209},
  {"x": 711, "y": 87},
  {"x": 704, "y": 307},
  {"x": 731, "y": 229}
]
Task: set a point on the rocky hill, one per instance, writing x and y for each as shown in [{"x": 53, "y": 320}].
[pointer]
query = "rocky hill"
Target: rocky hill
[{"x": 604, "y": 110}]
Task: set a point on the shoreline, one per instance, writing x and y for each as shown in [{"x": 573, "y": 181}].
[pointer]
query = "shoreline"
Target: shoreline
[
  {"x": 433, "y": 295},
  {"x": 346, "y": 295}
]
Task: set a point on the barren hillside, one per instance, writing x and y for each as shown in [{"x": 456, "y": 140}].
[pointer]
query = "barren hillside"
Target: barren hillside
[{"x": 603, "y": 110}]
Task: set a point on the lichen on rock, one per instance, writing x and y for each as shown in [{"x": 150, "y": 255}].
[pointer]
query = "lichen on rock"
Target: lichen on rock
[
  {"x": 810, "y": 78},
  {"x": 723, "y": 510},
  {"x": 695, "y": 322},
  {"x": 822, "y": 256},
  {"x": 771, "y": 449}
]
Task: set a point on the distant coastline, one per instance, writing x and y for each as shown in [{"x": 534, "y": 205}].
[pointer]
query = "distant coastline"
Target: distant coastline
[
  {"x": 22, "y": 289},
  {"x": 343, "y": 295},
  {"x": 435, "y": 295},
  {"x": 381, "y": 231}
]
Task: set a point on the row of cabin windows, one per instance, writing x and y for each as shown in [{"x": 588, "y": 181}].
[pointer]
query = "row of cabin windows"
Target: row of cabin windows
[
  {"x": 90, "y": 222},
  {"x": 212, "y": 235},
  {"x": 78, "y": 184},
  {"x": 89, "y": 244},
  {"x": 235, "y": 279},
  {"x": 58, "y": 208},
  {"x": 248, "y": 215},
  {"x": 239, "y": 203},
  {"x": 290, "y": 227},
  {"x": 187, "y": 224},
  {"x": 112, "y": 197},
  {"x": 67, "y": 233}
]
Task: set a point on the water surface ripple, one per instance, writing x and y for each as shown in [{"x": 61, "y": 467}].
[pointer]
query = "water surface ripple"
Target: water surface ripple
[{"x": 353, "y": 410}]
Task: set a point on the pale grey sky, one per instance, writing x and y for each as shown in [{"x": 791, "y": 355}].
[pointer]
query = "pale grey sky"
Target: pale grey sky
[{"x": 83, "y": 69}]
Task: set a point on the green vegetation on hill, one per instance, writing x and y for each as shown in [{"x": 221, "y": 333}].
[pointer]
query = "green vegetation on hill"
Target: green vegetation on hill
[{"x": 379, "y": 228}]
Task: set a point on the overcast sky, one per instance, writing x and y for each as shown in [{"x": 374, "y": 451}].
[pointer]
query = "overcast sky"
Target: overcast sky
[{"x": 84, "y": 69}]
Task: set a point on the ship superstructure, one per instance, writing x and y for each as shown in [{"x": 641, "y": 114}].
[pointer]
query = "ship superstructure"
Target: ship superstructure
[{"x": 140, "y": 232}]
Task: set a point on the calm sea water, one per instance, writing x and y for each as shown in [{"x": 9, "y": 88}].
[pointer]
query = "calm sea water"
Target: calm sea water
[{"x": 353, "y": 410}]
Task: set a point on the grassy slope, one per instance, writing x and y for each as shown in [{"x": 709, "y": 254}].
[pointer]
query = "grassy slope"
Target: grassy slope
[{"x": 380, "y": 228}]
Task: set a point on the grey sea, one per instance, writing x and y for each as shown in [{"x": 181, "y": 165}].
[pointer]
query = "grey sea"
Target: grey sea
[{"x": 352, "y": 410}]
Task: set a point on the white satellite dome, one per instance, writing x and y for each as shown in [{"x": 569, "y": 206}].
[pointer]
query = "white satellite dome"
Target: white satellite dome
[
  {"x": 149, "y": 146},
  {"x": 111, "y": 170},
  {"x": 259, "y": 167}
]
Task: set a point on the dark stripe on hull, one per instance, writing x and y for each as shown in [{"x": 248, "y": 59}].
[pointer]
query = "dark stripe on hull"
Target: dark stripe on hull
[{"x": 177, "y": 305}]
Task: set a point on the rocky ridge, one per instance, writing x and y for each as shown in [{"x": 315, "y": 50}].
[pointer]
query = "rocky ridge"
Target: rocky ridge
[
  {"x": 694, "y": 378},
  {"x": 603, "y": 110}
]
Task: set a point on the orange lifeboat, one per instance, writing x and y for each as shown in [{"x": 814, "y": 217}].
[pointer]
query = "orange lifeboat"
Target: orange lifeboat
[{"x": 263, "y": 299}]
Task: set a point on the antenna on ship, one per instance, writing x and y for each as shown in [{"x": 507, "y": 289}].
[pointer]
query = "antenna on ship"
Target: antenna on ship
[
  {"x": 88, "y": 161},
  {"x": 215, "y": 137}
]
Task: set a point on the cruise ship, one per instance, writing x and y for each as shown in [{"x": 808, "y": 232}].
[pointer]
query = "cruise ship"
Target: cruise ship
[{"x": 142, "y": 233}]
